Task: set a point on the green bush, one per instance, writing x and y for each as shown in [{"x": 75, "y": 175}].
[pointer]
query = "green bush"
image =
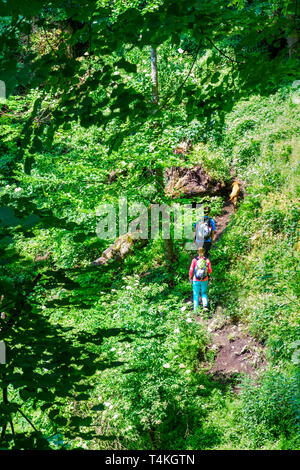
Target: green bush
[{"x": 268, "y": 407}]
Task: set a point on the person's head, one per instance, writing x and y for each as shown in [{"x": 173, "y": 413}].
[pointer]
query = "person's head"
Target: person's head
[
  {"x": 206, "y": 210},
  {"x": 201, "y": 252}
]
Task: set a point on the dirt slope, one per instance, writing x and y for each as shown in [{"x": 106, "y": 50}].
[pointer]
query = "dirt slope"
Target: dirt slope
[{"x": 236, "y": 352}]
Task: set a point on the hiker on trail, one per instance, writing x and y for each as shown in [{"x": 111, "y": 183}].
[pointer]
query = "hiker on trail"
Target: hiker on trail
[
  {"x": 199, "y": 273},
  {"x": 205, "y": 232}
]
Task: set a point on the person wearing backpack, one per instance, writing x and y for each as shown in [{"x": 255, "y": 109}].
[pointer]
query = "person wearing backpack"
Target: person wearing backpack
[
  {"x": 199, "y": 273},
  {"x": 205, "y": 232}
]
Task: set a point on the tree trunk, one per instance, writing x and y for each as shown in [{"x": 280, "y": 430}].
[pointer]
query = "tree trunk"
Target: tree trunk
[
  {"x": 79, "y": 48},
  {"x": 159, "y": 175},
  {"x": 292, "y": 35},
  {"x": 169, "y": 251},
  {"x": 70, "y": 47}
]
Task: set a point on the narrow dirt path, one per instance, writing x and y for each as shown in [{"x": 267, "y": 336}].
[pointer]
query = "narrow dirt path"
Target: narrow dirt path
[{"x": 236, "y": 352}]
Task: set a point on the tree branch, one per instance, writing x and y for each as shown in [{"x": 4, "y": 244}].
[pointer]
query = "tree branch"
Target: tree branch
[
  {"x": 28, "y": 420},
  {"x": 223, "y": 53},
  {"x": 185, "y": 79}
]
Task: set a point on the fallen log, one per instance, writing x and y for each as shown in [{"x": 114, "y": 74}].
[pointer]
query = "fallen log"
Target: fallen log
[{"x": 120, "y": 248}]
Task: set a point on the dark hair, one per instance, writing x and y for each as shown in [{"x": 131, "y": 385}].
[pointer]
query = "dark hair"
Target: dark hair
[{"x": 206, "y": 210}]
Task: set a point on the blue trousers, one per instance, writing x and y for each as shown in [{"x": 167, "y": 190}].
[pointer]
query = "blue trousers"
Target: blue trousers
[{"x": 197, "y": 286}]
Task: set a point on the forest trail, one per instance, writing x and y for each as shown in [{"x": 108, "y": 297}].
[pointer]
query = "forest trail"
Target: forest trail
[
  {"x": 236, "y": 352},
  {"x": 222, "y": 220}
]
